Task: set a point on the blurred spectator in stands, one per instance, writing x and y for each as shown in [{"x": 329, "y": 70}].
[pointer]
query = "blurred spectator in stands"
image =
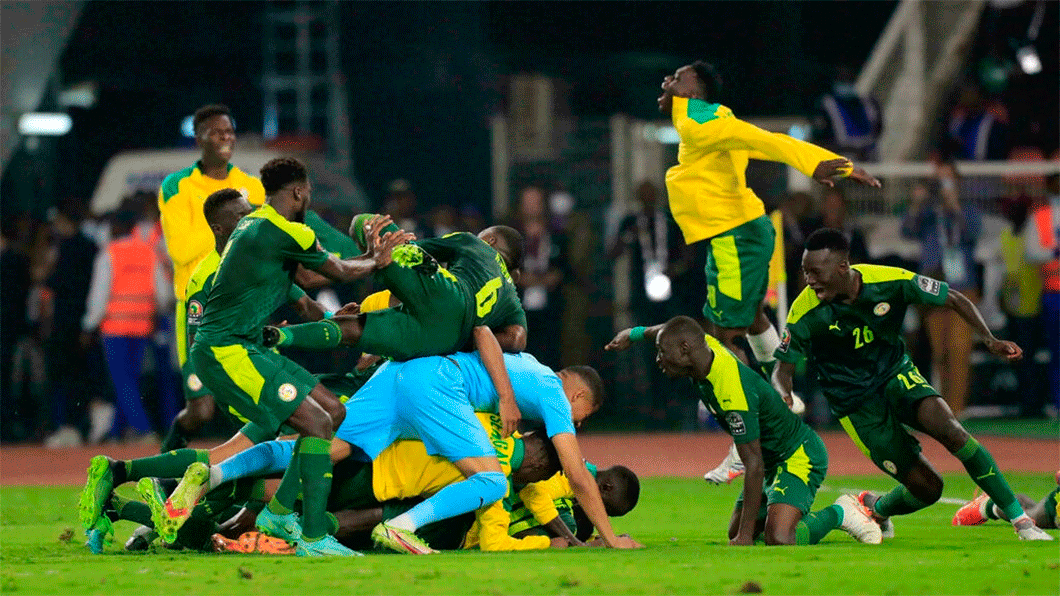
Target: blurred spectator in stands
[
  {"x": 834, "y": 215},
  {"x": 579, "y": 267},
  {"x": 400, "y": 204},
  {"x": 444, "y": 221},
  {"x": 1043, "y": 248},
  {"x": 471, "y": 218},
  {"x": 947, "y": 230},
  {"x": 128, "y": 290},
  {"x": 67, "y": 284},
  {"x": 797, "y": 214},
  {"x": 14, "y": 299},
  {"x": 544, "y": 270},
  {"x": 847, "y": 122},
  {"x": 977, "y": 130}
]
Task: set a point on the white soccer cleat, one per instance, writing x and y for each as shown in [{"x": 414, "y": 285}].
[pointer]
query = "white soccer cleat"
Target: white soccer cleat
[
  {"x": 857, "y": 522},
  {"x": 1027, "y": 530},
  {"x": 728, "y": 470}
]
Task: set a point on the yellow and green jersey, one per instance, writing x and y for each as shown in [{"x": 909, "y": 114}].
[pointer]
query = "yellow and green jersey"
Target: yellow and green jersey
[
  {"x": 538, "y": 503},
  {"x": 858, "y": 347},
  {"x": 749, "y": 409},
  {"x": 188, "y": 237},
  {"x": 254, "y": 276},
  {"x": 707, "y": 188}
]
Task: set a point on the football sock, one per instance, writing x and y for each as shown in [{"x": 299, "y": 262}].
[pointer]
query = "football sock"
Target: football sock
[
  {"x": 990, "y": 510},
  {"x": 175, "y": 438},
  {"x": 131, "y": 510},
  {"x": 477, "y": 491},
  {"x": 287, "y": 493},
  {"x": 764, "y": 344},
  {"x": 812, "y": 528},
  {"x": 315, "y": 470},
  {"x": 984, "y": 471},
  {"x": 171, "y": 464},
  {"x": 898, "y": 502},
  {"x": 265, "y": 458},
  {"x": 320, "y": 335}
]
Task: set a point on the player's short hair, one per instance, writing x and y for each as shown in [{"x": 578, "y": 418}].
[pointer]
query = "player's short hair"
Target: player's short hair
[
  {"x": 281, "y": 171},
  {"x": 625, "y": 492},
  {"x": 829, "y": 238},
  {"x": 209, "y": 111},
  {"x": 216, "y": 201},
  {"x": 536, "y": 440},
  {"x": 514, "y": 246},
  {"x": 709, "y": 79},
  {"x": 592, "y": 379},
  {"x": 683, "y": 327}
]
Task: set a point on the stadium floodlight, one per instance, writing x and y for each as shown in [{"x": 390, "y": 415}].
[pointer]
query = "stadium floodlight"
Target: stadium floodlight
[
  {"x": 1029, "y": 60},
  {"x": 44, "y": 124}
]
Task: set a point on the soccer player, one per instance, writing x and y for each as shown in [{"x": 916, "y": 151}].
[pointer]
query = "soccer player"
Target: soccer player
[
  {"x": 710, "y": 200},
  {"x": 849, "y": 321},
  {"x": 982, "y": 509},
  {"x": 785, "y": 460},
  {"x": 253, "y": 277}
]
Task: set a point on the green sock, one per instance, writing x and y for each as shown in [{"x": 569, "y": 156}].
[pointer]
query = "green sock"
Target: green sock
[
  {"x": 989, "y": 506},
  {"x": 816, "y": 525},
  {"x": 167, "y": 465},
  {"x": 315, "y": 467},
  {"x": 984, "y": 471},
  {"x": 133, "y": 511},
  {"x": 175, "y": 438},
  {"x": 286, "y": 494},
  {"x": 320, "y": 335},
  {"x": 898, "y": 502}
]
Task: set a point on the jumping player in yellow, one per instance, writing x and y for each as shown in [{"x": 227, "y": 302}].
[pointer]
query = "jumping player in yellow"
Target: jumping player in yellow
[{"x": 710, "y": 200}]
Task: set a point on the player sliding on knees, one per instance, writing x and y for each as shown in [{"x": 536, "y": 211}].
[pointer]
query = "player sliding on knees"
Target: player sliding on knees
[
  {"x": 785, "y": 459},
  {"x": 849, "y": 321}
]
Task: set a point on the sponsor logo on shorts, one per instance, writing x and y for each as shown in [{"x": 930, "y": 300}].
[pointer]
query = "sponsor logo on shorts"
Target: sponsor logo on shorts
[
  {"x": 889, "y": 466},
  {"x": 736, "y": 425},
  {"x": 929, "y": 285},
  {"x": 881, "y": 309},
  {"x": 287, "y": 392},
  {"x": 194, "y": 383},
  {"x": 194, "y": 311},
  {"x": 785, "y": 340}
]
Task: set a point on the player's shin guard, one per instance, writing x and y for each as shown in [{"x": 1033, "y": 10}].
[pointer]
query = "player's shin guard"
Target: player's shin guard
[
  {"x": 266, "y": 458},
  {"x": 815, "y": 526},
  {"x": 315, "y": 470},
  {"x": 984, "y": 471},
  {"x": 898, "y": 502},
  {"x": 287, "y": 493},
  {"x": 477, "y": 491},
  {"x": 167, "y": 465},
  {"x": 320, "y": 335}
]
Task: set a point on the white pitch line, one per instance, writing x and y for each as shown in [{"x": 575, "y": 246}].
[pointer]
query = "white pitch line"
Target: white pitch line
[{"x": 854, "y": 491}]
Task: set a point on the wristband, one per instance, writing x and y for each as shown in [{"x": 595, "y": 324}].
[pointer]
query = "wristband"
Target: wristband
[
  {"x": 328, "y": 314},
  {"x": 636, "y": 333}
]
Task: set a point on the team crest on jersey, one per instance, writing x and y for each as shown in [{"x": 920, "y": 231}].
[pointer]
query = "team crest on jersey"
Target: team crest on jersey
[
  {"x": 785, "y": 340},
  {"x": 881, "y": 309},
  {"x": 736, "y": 425},
  {"x": 929, "y": 285},
  {"x": 889, "y": 466},
  {"x": 287, "y": 392},
  {"x": 194, "y": 310}
]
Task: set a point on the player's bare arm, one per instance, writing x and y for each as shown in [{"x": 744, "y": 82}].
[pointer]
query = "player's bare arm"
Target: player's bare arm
[
  {"x": 309, "y": 309},
  {"x": 827, "y": 170},
  {"x": 512, "y": 338},
  {"x": 751, "y": 455},
  {"x": 307, "y": 279},
  {"x": 622, "y": 340},
  {"x": 489, "y": 350},
  {"x": 964, "y": 307},
  {"x": 782, "y": 381},
  {"x": 376, "y": 257}
]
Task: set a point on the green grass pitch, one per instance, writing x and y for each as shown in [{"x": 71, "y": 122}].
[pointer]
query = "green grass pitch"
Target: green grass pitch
[{"x": 681, "y": 521}]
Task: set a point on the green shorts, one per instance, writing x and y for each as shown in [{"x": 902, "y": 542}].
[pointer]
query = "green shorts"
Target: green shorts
[
  {"x": 877, "y": 426},
  {"x": 796, "y": 480},
  {"x": 433, "y": 317},
  {"x": 258, "y": 384},
  {"x": 738, "y": 273}
]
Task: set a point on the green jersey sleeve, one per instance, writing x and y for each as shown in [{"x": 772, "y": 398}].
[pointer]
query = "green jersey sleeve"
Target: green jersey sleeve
[
  {"x": 742, "y": 418},
  {"x": 295, "y": 293},
  {"x": 195, "y": 308},
  {"x": 794, "y": 342},
  {"x": 444, "y": 249},
  {"x": 921, "y": 289},
  {"x": 302, "y": 246}
]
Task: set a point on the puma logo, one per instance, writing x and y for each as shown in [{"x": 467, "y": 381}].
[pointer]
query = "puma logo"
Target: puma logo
[
  {"x": 781, "y": 489},
  {"x": 834, "y": 326},
  {"x": 987, "y": 475}
]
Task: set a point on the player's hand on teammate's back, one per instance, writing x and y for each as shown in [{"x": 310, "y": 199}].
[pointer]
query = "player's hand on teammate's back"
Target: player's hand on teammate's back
[
  {"x": 620, "y": 342},
  {"x": 1006, "y": 349}
]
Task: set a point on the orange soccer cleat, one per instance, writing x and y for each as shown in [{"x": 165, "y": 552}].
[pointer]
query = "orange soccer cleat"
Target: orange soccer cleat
[{"x": 253, "y": 542}]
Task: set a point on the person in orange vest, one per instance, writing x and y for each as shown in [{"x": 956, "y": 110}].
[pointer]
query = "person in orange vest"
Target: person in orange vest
[
  {"x": 1042, "y": 245},
  {"x": 128, "y": 286}
]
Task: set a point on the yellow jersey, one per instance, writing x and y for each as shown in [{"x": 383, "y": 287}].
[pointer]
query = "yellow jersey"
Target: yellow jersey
[
  {"x": 188, "y": 237},
  {"x": 707, "y": 188}
]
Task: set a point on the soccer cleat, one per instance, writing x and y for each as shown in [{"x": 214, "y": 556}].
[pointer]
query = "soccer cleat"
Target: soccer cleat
[
  {"x": 858, "y": 522},
  {"x": 169, "y": 516},
  {"x": 728, "y": 470},
  {"x": 284, "y": 527},
  {"x": 98, "y": 487},
  {"x": 1026, "y": 529},
  {"x": 402, "y": 541},
  {"x": 327, "y": 546},
  {"x": 971, "y": 513},
  {"x": 101, "y": 535},
  {"x": 141, "y": 539},
  {"x": 886, "y": 525},
  {"x": 151, "y": 492},
  {"x": 252, "y": 542}
]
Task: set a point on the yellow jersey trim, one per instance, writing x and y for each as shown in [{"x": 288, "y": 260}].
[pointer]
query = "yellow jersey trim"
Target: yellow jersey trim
[
  {"x": 804, "y": 303},
  {"x": 724, "y": 375},
  {"x": 301, "y": 233},
  {"x": 872, "y": 274}
]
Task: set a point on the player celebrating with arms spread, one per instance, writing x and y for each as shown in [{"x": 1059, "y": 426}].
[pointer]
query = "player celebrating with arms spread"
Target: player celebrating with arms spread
[{"x": 849, "y": 320}]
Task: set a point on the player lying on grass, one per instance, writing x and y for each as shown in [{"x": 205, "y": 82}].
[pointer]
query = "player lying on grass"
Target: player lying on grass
[
  {"x": 982, "y": 509},
  {"x": 784, "y": 458},
  {"x": 849, "y": 321}
]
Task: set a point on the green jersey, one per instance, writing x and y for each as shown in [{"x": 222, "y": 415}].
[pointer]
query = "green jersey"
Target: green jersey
[
  {"x": 857, "y": 347},
  {"x": 333, "y": 241},
  {"x": 480, "y": 271},
  {"x": 254, "y": 276},
  {"x": 749, "y": 409}
]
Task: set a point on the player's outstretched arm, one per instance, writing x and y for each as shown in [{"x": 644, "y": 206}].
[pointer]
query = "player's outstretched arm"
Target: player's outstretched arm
[
  {"x": 828, "y": 169},
  {"x": 489, "y": 350},
  {"x": 586, "y": 491},
  {"x": 782, "y": 380},
  {"x": 964, "y": 307},
  {"x": 625, "y": 338},
  {"x": 751, "y": 454}
]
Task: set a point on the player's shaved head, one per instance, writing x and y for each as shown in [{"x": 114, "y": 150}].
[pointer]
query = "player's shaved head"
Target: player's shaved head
[
  {"x": 217, "y": 201},
  {"x": 540, "y": 459},
  {"x": 591, "y": 379},
  {"x": 209, "y": 111},
  {"x": 508, "y": 242},
  {"x": 680, "y": 329},
  {"x": 223, "y": 209},
  {"x": 619, "y": 489},
  {"x": 680, "y": 346}
]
